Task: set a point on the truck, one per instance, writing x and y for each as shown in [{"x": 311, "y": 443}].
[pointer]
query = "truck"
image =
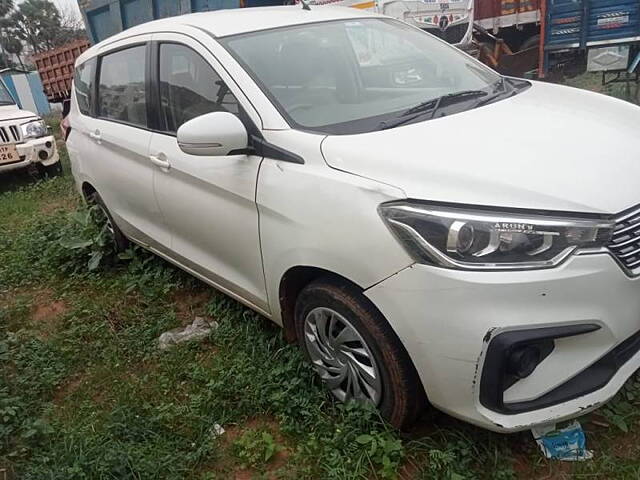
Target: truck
[
  {"x": 56, "y": 67},
  {"x": 104, "y": 18},
  {"x": 507, "y": 35},
  {"x": 515, "y": 21},
  {"x": 602, "y": 35},
  {"x": 493, "y": 30},
  {"x": 451, "y": 20}
]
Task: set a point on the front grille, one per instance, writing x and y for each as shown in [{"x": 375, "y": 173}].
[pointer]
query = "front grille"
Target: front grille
[
  {"x": 10, "y": 134},
  {"x": 625, "y": 243},
  {"x": 452, "y": 34}
]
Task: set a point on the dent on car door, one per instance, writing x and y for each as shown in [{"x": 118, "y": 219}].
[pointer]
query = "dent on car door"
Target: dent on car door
[
  {"x": 207, "y": 201},
  {"x": 121, "y": 135}
]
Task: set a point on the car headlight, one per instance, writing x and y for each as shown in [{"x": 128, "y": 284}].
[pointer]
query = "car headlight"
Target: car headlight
[
  {"x": 490, "y": 240},
  {"x": 34, "y": 129}
]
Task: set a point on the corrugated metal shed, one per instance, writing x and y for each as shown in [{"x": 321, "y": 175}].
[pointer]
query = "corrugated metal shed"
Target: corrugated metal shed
[{"x": 26, "y": 88}]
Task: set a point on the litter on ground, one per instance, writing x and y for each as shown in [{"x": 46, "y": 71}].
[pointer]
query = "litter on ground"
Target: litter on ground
[
  {"x": 567, "y": 444},
  {"x": 198, "y": 330}
]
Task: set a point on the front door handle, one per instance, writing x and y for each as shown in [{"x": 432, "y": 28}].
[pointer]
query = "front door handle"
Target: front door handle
[{"x": 160, "y": 160}]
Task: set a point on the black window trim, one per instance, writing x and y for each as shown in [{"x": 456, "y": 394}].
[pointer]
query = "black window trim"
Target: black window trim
[
  {"x": 92, "y": 83},
  {"x": 100, "y": 57},
  {"x": 257, "y": 143},
  {"x": 160, "y": 123}
]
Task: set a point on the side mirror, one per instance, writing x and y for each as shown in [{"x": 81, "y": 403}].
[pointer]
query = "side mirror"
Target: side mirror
[{"x": 213, "y": 134}]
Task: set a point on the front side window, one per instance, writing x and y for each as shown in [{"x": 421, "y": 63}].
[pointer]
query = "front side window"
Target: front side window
[
  {"x": 353, "y": 76},
  {"x": 189, "y": 87},
  {"x": 121, "y": 91},
  {"x": 83, "y": 81},
  {"x": 5, "y": 96}
]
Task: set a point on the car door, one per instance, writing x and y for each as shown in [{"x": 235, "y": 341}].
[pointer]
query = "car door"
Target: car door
[
  {"x": 81, "y": 147},
  {"x": 207, "y": 202},
  {"x": 122, "y": 169}
]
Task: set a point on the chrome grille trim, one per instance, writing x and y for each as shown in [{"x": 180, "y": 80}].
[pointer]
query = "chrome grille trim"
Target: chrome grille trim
[
  {"x": 10, "y": 134},
  {"x": 625, "y": 241},
  {"x": 15, "y": 131}
]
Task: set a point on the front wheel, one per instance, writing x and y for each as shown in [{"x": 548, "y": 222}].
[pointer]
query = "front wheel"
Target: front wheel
[{"x": 355, "y": 352}]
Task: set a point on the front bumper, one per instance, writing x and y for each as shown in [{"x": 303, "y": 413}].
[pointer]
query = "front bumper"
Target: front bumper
[
  {"x": 31, "y": 152},
  {"x": 448, "y": 319}
]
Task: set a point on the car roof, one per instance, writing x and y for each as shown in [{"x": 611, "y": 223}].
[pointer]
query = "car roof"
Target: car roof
[
  {"x": 222, "y": 23},
  {"x": 242, "y": 20}
]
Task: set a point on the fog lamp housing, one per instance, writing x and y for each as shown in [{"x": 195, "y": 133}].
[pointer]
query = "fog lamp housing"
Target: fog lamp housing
[
  {"x": 513, "y": 355},
  {"x": 523, "y": 361}
]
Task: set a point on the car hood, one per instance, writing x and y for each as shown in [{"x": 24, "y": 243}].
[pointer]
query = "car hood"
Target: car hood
[
  {"x": 549, "y": 148},
  {"x": 12, "y": 112}
]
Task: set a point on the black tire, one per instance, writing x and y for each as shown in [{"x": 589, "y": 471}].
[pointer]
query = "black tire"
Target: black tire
[
  {"x": 121, "y": 242},
  {"x": 403, "y": 397},
  {"x": 50, "y": 171}
]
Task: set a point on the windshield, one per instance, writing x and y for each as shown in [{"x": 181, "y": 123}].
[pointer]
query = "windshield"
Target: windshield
[
  {"x": 350, "y": 76},
  {"x": 5, "y": 97}
]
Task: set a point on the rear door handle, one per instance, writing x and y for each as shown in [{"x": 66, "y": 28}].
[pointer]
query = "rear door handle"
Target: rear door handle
[
  {"x": 96, "y": 136},
  {"x": 160, "y": 160}
]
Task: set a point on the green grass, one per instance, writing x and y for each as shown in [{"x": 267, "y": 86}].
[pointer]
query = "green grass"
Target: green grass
[{"x": 86, "y": 394}]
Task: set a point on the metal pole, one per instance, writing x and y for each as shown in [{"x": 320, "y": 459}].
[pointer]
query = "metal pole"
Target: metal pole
[{"x": 542, "y": 68}]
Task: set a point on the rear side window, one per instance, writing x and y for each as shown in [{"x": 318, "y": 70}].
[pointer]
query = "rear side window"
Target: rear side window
[
  {"x": 83, "y": 81},
  {"x": 189, "y": 87},
  {"x": 121, "y": 91}
]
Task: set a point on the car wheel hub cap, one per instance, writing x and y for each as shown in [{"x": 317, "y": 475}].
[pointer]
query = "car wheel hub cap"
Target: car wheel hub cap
[{"x": 342, "y": 357}]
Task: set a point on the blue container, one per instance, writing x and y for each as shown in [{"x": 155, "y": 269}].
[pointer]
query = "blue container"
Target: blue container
[
  {"x": 586, "y": 23},
  {"x": 104, "y": 18},
  {"x": 26, "y": 89}
]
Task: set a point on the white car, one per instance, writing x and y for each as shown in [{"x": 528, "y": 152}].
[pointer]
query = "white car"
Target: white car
[
  {"x": 25, "y": 139},
  {"x": 351, "y": 178}
]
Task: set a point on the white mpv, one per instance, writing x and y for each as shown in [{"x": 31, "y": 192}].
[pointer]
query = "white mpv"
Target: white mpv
[{"x": 351, "y": 178}]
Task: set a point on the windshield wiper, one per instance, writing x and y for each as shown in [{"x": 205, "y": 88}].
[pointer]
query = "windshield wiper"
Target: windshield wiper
[
  {"x": 432, "y": 106},
  {"x": 501, "y": 91}
]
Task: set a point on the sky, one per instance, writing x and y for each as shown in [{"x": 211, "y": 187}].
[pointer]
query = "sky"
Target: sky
[{"x": 68, "y": 4}]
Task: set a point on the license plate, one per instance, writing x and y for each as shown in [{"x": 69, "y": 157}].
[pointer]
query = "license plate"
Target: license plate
[{"x": 8, "y": 154}]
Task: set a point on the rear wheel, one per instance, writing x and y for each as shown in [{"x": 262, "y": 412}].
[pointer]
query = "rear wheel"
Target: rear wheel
[
  {"x": 355, "y": 351},
  {"x": 120, "y": 241}
]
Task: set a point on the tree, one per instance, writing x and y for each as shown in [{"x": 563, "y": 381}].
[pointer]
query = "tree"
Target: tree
[
  {"x": 5, "y": 7},
  {"x": 13, "y": 46},
  {"x": 42, "y": 26},
  {"x": 37, "y": 22},
  {"x": 72, "y": 23}
]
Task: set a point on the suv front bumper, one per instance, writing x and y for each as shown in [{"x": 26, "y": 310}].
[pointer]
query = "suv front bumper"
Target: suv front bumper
[
  {"x": 452, "y": 323},
  {"x": 34, "y": 151}
]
